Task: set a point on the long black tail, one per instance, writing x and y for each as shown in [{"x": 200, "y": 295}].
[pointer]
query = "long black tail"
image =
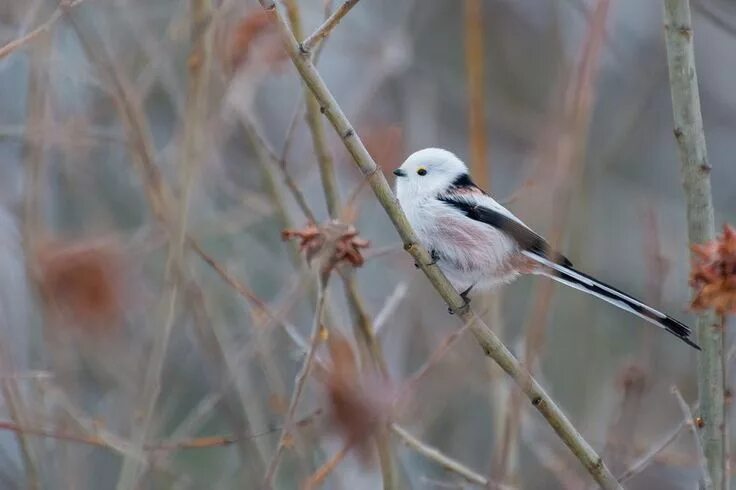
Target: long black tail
[{"x": 583, "y": 282}]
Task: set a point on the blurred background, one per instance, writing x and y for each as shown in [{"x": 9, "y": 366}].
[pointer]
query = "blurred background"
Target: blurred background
[{"x": 149, "y": 154}]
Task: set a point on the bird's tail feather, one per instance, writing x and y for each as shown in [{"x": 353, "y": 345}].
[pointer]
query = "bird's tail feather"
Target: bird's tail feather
[{"x": 567, "y": 275}]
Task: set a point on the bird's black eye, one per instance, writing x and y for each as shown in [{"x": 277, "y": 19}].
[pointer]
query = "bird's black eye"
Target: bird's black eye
[{"x": 422, "y": 171}]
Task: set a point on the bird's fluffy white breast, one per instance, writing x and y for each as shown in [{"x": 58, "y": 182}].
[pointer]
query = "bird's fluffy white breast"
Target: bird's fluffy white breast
[{"x": 470, "y": 252}]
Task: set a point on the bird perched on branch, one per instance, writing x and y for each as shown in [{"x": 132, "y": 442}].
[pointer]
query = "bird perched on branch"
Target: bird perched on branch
[{"x": 477, "y": 242}]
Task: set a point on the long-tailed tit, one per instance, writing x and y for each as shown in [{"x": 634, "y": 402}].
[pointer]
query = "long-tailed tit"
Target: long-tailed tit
[{"x": 477, "y": 242}]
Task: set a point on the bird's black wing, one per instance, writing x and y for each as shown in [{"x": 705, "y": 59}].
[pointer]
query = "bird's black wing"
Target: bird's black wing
[{"x": 523, "y": 236}]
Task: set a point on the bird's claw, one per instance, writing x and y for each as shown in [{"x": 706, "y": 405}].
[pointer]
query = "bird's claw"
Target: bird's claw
[
  {"x": 466, "y": 304},
  {"x": 435, "y": 257},
  {"x": 462, "y": 309}
]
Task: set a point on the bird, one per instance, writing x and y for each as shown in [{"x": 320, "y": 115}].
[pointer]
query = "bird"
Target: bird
[{"x": 478, "y": 243}]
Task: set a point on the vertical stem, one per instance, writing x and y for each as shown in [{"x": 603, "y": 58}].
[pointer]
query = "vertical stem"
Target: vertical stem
[
  {"x": 332, "y": 196},
  {"x": 194, "y": 115},
  {"x": 474, "y": 69},
  {"x": 33, "y": 155},
  {"x": 299, "y": 383},
  {"x": 695, "y": 169},
  {"x": 316, "y": 128}
]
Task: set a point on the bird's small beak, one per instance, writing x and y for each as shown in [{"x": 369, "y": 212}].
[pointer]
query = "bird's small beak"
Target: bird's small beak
[{"x": 400, "y": 173}]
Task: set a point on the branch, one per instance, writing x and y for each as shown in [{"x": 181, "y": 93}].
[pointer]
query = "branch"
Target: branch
[
  {"x": 475, "y": 80},
  {"x": 327, "y": 26},
  {"x": 435, "y": 455},
  {"x": 487, "y": 339},
  {"x": 695, "y": 169},
  {"x": 690, "y": 422},
  {"x": 299, "y": 383},
  {"x": 196, "y": 113},
  {"x": 319, "y": 476},
  {"x": 11, "y": 46},
  {"x": 361, "y": 321},
  {"x": 647, "y": 458}
]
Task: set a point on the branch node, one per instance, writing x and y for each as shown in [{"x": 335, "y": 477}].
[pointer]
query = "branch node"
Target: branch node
[
  {"x": 348, "y": 134},
  {"x": 685, "y": 31},
  {"x": 304, "y": 51}
]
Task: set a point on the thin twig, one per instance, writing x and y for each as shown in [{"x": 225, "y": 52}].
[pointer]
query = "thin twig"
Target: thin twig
[
  {"x": 438, "y": 457},
  {"x": 361, "y": 320},
  {"x": 316, "y": 129},
  {"x": 269, "y": 161},
  {"x": 203, "y": 442},
  {"x": 491, "y": 344},
  {"x": 474, "y": 69},
  {"x": 389, "y": 306},
  {"x": 328, "y": 25},
  {"x": 195, "y": 114},
  {"x": 648, "y": 458},
  {"x": 319, "y": 476},
  {"x": 434, "y": 358},
  {"x": 16, "y": 44},
  {"x": 690, "y": 422},
  {"x": 568, "y": 158},
  {"x": 695, "y": 170},
  {"x": 299, "y": 384}
]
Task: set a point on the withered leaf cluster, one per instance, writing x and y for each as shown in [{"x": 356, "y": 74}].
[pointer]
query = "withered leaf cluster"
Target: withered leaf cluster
[
  {"x": 713, "y": 274},
  {"x": 333, "y": 242}
]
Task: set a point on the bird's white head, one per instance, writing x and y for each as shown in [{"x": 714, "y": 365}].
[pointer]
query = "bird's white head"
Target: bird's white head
[{"x": 426, "y": 173}]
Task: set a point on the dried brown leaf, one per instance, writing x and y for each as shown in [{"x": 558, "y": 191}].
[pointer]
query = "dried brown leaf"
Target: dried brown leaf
[{"x": 713, "y": 274}]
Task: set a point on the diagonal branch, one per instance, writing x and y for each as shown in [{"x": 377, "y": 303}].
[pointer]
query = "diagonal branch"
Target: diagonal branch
[
  {"x": 491, "y": 344},
  {"x": 436, "y": 456},
  {"x": 11, "y": 46},
  {"x": 327, "y": 26}
]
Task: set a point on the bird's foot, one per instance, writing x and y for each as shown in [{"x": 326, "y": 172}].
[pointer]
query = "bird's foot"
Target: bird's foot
[
  {"x": 435, "y": 257},
  {"x": 466, "y": 304}
]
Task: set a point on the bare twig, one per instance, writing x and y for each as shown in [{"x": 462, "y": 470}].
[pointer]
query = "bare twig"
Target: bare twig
[
  {"x": 434, "y": 358},
  {"x": 195, "y": 115},
  {"x": 316, "y": 129},
  {"x": 319, "y": 476},
  {"x": 204, "y": 442},
  {"x": 487, "y": 339},
  {"x": 690, "y": 422},
  {"x": 299, "y": 383},
  {"x": 474, "y": 69},
  {"x": 695, "y": 169},
  {"x": 327, "y": 26},
  {"x": 568, "y": 159},
  {"x": 438, "y": 457},
  {"x": 361, "y": 320},
  {"x": 269, "y": 162},
  {"x": 16, "y": 44},
  {"x": 647, "y": 458},
  {"x": 389, "y": 306}
]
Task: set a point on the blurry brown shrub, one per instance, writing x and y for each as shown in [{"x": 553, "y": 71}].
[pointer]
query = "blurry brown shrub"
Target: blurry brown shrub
[
  {"x": 253, "y": 36},
  {"x": 713, "y": 274},
  {"x": 82, "y": 283},
  {"x": 358, "y": 404}
]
